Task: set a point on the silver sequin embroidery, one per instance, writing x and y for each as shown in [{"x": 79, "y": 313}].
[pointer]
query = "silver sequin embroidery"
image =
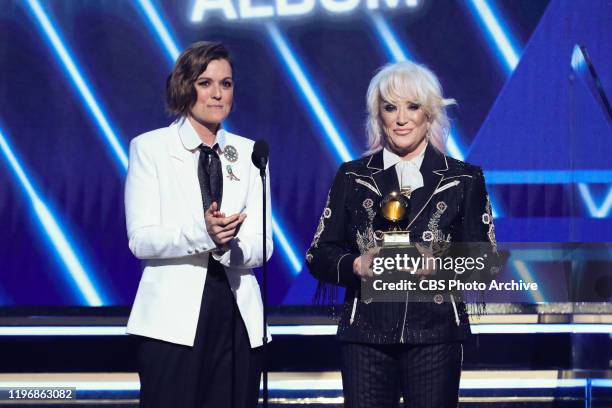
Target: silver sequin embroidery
[
  {"x": 321, "y": 226},
  {"x": 436, "y": 234},
  {"x": 428, "y": 236},
  {"x": 491, "y": 232}
]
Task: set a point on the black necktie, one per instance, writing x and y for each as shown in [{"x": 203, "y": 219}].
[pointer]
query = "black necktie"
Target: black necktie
[{"x": 210, "y": 176}]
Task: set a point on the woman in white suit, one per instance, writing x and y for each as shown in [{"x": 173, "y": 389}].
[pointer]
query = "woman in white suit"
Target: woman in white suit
[{"x": 194, "y": 216}]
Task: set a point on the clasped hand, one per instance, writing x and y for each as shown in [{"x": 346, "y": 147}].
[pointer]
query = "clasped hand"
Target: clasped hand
[{"x": 222, "y": 229}]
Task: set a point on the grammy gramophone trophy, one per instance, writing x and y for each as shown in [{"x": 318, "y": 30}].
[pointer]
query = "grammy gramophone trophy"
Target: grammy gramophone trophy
[
  {"x": 393, "y": 238},
  {"x": 391, "y": 230},
  {"x": 392, "y": 223}
]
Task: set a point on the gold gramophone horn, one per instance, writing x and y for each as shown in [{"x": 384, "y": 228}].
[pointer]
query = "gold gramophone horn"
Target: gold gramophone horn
[{"x": 394, "y": 206}]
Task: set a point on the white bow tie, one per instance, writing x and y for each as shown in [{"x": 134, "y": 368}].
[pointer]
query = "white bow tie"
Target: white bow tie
[{"x": 409, "y": 175}]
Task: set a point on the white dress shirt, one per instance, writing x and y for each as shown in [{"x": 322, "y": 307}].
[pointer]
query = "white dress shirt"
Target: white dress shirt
[
  {"x": 192, "y": 141},
  {"x": 408, "y": 173}
]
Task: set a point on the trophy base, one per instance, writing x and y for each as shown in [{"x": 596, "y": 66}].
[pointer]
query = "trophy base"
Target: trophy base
[
  {"x": 397, "y": 245},
  {"x": 395, "y": 239}
]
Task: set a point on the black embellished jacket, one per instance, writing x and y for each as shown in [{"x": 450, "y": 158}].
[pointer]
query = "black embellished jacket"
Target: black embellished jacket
[{"x": 452, "y": 206}]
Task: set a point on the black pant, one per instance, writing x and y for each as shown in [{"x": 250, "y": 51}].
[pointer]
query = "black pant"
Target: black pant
[
  {"x": 427, "y": 375},
  {"x": 220, "y": 370}
]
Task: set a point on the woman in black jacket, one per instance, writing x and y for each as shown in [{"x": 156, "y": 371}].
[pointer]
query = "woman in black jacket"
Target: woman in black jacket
[{"x": 413, "y": 349}]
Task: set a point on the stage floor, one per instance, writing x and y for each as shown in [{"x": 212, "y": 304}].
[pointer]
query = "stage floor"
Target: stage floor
[
  {"x": 491, "y": 388},
  {"x": 542, "y": 356}
]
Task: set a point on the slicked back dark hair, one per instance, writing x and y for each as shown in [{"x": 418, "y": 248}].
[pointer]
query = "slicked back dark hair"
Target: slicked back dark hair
[{"x": 180, "y": 89}]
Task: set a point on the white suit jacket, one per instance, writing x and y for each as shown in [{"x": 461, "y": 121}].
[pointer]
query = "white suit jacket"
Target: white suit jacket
[{"x": 166, "y": 229}]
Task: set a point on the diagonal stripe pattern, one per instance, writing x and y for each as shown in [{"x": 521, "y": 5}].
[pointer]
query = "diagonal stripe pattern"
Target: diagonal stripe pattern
[
  {"x": 78, "y": 80},
  {"x": 54, "y": 231}
]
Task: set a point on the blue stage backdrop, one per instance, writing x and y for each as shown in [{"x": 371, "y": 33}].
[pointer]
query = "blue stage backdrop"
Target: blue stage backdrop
[{"x": 80, "y": 79}]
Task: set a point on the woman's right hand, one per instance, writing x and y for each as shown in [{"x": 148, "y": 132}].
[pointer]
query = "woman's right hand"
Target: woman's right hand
[
  {"x": 222, "y": 229},
  {"x": 362, "y": 265}
]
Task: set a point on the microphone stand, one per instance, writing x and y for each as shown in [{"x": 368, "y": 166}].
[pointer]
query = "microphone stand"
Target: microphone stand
[{"x": 264, "y": 267}]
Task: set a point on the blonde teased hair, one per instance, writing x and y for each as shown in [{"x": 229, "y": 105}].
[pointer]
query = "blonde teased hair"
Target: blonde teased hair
[{"x": 407, "y": 80}]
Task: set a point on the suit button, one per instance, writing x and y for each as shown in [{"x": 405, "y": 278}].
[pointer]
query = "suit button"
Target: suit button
[{"x": 190, "y": 251}]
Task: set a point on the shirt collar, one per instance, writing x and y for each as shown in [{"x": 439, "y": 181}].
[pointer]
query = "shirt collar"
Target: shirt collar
[
  {"x": 391, "y": 159},
  {"x": 191, "y": 140}
]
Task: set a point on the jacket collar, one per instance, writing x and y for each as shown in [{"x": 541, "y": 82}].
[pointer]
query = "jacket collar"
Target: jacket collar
[{"x": 376, "y": 162}]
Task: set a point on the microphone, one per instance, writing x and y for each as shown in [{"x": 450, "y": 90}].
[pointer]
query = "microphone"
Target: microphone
[
  {"x": 260, "y": 154},
  {"x": 259, "y": 157}
]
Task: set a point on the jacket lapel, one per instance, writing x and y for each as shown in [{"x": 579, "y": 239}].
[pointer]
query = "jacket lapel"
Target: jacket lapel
[
  {"x": 433, "y": 167},
  {"x": 386, "y": 180},
  {"x": 383, "y": 179},
  {"x": 186, "y": 177}
]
